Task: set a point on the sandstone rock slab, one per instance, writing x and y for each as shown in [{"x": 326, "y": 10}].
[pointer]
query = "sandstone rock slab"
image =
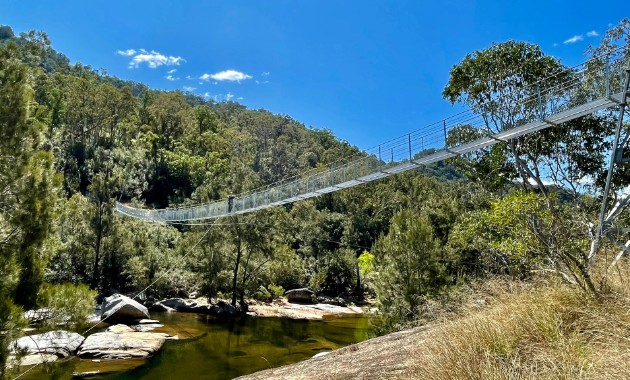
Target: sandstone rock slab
[
  {"x": 60, "y": 343},
  {"x": 121, "y": 342}
]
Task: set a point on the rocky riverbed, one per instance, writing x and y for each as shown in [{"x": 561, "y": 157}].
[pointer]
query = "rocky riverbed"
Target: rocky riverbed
[
  {"x": 132, "y": 337},
  {"x": 284, "y": 309}
]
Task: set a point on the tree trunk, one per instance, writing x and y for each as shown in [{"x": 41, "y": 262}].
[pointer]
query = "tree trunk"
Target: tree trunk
[
  {"x": 97, "y": 249},
  {"x": 358, "y": 287},
  {"x": 236, "y": 264}
]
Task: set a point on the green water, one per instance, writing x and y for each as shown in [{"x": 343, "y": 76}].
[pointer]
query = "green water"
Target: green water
[{"x": 227, "y": 349}]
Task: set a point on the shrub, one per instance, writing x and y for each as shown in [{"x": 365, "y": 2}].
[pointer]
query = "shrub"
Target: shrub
[
  {"x": 336, "y": 272},
  {"x": 67, "y": 303},
  {"x": 276, "y": 291},
  {"x": 262, "y": 294}
]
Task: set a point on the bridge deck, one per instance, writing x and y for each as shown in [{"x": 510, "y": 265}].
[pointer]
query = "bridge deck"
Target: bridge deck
[{"x": 558, "y": 108}]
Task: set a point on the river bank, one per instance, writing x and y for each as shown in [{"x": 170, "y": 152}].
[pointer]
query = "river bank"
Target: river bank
[
  {"x": 222, "y": 348},
  {"x": 517, "y": 330},
  {"x": 269, "y": 335}
]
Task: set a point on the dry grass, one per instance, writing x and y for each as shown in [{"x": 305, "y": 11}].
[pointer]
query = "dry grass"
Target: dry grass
[
  {"x": 499, "y": 330},
  {"x": 551, "y": 331}
]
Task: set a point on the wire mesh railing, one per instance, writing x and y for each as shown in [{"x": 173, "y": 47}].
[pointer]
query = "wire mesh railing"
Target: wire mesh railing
[{"x": 563, "y": 96}]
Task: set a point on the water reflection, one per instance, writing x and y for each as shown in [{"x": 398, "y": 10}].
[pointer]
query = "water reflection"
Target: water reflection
[{"x": 227, "y": 349}]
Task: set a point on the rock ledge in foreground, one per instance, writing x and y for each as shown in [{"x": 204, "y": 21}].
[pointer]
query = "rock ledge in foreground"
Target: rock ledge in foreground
[{"x": 121, "y": 342}]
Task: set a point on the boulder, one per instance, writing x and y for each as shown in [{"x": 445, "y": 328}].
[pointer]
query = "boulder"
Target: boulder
[
  {"x": 223, "y": 309},
  {"x": 161, "y": 308},
  {"x": 147, "y": 327},
  {"x": 30, "y": 360},
  {"x": 338, "y": 301},
  {"x": 122, "y": 309},
  {"x": 121, "y": 342},
  {"x": 199, "y": 309},
  {"x": 182, "y": 305},
  {"x": 39, "y": 315},
  {"x": 60, "y": 343},
  {"x": 177, "y": 303},
  {"x": 303, "y": 295}
]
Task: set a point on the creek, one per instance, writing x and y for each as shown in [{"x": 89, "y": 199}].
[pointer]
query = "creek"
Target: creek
[{"x": 224, "y": 349}]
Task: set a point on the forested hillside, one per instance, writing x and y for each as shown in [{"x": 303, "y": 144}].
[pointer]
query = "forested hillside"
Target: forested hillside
[{"x": 74, "y": 141}]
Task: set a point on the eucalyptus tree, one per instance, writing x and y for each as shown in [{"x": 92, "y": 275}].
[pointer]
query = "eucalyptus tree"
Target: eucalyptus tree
[
  {"x": 27, "y": 194},
  {"x": 502, "y": 84}
]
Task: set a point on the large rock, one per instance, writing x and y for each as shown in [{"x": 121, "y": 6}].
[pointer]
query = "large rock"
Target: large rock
[
  {"x": 122, "y": 309},
  {"x": 121, "y": 342},
  {"x": 30, "y": 360},
  {"x": 224, "y": 310},
  {"x": 283, "y": 309},
  {"x": 182, "y": 305},
  {"x": 338, "y": 301},
  {"x": 60, "y": 343},
  {"x": 39, "y": 315},
  {"x": 303, "y": 295},
  {"x": 161, "y": 308},
  {"x": 178, "y": 304}
]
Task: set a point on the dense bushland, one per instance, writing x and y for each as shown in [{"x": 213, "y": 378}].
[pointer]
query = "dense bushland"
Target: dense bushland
[{"x": 75, "y": 141}]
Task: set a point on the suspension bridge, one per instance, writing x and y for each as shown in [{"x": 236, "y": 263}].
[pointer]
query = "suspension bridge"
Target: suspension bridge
[{"x": 595, "y": 85}]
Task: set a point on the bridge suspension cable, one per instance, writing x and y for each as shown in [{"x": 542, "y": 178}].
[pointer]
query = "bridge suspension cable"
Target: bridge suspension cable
[{"x": 584, "y": 89}]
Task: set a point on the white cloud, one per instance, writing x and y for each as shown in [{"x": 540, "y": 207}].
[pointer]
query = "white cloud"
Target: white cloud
[
  {"x": 171, "y": 71},
  {"x": 171, "y": 78},
  {"x": 592, "y": 33},
  {"x": 265, "y": 74},
  {"x": 126, "y": 53},
  {"x": 574, "y": 39},
  {"x": 189, "y": 77},
  {"x": 153, "y": 59},
  {"x": 227, "y": 75},
  {"x": 189, "y": 88},
  {"x": 229, "y": 96},
  {"x": 239, "y": 98}
]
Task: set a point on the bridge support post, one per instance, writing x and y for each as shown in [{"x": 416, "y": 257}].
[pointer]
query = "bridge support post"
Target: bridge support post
[
  {"x": 445, "y": 134},
  {"x": 604, "y": 221}
]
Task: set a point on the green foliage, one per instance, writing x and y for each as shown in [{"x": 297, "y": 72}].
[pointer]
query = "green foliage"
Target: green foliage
[
  {"x": 276, "y": 291},
  {"x": 27, "y": 198},
  {"x": 335, "y": 273},
  {"x": 269, "y": 293},
  {"x": 489, "y": 79},
  {"x": 286, "y": 269},
  {"x": 524, "y": 232},
  {"x": 411, "y": 267},
  {"x": 11, "y": 323},
  {"x": 489, "y": 166},
  {"x": 262, "y": 294},
  {"x": 494, "y": 82},
  {"x": 115, "y": 140},
  {"x": 68, "y": 304},
  {"x": 6, "y": 32},
  {"x": 73, "y": 258},
  {"x": 366, "y": 263}
]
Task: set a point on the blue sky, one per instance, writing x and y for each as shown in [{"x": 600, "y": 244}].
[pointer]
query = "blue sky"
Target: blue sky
[{"x": 367, "y": 70}]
